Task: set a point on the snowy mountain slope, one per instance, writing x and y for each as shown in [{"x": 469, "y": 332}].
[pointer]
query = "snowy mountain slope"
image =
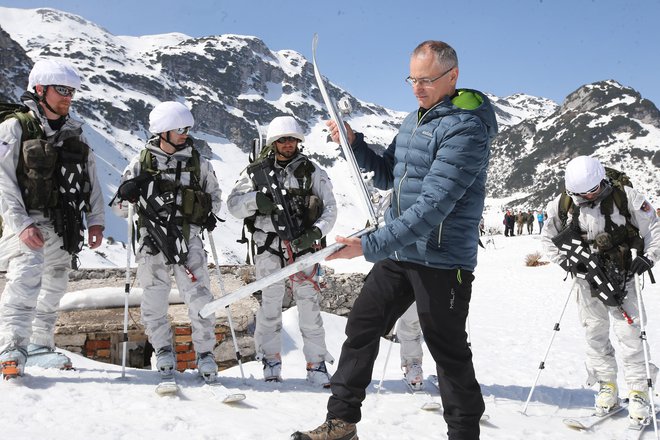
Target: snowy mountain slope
[{"x": 605, "y": 119}]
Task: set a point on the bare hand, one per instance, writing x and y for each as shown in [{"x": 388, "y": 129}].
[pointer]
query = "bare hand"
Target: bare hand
[
  {"x": 334, "y": 132},
  {"x": 94, "y": 236},
  {"x": 32, "y": 237},
  {"x": 352, "y": 249}
]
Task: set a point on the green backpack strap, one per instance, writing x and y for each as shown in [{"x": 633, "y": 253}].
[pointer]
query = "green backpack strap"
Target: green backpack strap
[
  {"x": 565, "y": 204},
  {"x": 30, "y": 126}
]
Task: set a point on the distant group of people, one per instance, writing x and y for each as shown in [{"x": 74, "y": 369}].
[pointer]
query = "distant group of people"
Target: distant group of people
[
  {"x": 424, "y": 258},
  {"x": 522, "y": 219}
]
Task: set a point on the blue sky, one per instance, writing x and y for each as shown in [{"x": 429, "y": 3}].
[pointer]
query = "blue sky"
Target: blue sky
[{"x": 544, "y": 48}]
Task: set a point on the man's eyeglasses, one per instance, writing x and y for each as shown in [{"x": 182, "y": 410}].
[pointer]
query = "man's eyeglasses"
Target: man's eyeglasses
[
  {"x": 426, "y": 82},
  {"x": 286, "y": 139},
  {"x": 64, "y": 90},
  {"x": 586, "y": 193},
  {"x": 183, "y": 130}
]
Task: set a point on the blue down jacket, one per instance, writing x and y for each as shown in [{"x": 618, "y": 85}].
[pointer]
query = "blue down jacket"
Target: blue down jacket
[{"x": 437, "y": 167}]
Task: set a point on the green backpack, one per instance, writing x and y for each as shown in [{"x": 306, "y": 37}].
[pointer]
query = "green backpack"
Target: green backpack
[{"x": 29, "y": 124}]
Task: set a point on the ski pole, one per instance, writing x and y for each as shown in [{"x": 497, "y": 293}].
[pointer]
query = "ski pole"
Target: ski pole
[
  {"x": 547, "y": 351},
  {"x": 229, "y": 318},
  {"x": 127, "y": 289},
  {"x": 387, "y": 358},
  {"x": 642, "y": 336}
]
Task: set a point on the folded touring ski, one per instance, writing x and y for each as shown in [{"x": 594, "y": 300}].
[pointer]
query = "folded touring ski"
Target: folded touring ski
[{"x": 317, "y": 257}]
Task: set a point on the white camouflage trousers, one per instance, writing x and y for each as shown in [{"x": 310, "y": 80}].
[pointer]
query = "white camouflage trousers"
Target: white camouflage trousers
[
  {"x": 595, "y": 318},
  {"x": 409, "y": 333},
  {"x": 36, "y": 282},
  {"x": 267, "y": 335},
  {"x": 154, "y": 278}
]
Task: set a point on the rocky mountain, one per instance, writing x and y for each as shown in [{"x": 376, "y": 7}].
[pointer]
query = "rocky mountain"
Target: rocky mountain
[
  {"x": 605, "y": 119},
  {"x": 15, "y": 66},
  {"x": 231, "y": 81}
]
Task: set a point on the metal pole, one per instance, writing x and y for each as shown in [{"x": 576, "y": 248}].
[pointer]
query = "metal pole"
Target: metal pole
[
  {"x": 222, "y": 292},
  {"x": 387, "y": 358},
  {"x": 642, "y": 336},
  {"x": 127, "y": 289},
  {"x": 547, "y": 351}
]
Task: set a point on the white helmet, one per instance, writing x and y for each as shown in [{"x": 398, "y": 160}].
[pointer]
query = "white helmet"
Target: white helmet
[
  {"x": 583, "y": 173},
  {"x": 53, "y": 73},
  {"x": 169, "y": 115},
  {"x": 283, "y": 126}
]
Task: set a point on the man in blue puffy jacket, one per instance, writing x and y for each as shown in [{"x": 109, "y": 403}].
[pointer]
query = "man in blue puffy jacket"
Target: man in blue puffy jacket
[{"x": 427, "y": 251}]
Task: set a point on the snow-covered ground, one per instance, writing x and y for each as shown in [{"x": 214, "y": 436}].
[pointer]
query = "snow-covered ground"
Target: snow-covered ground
[{"x": 514, "y": 309}]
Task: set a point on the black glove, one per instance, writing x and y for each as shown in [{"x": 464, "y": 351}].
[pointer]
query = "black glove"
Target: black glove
[
  {"x": 307, "y": 239},
  {"x": 640, "y": 265},
  {"x": 264, "y": 204},
  {"x": 129, "y": 191}
]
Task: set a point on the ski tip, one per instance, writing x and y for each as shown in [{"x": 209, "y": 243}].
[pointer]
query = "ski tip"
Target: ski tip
[
  {"x": 167, "y": 389},
  {"x": 575, "y": 424},
  {"x": 233, "y": 398},
  {"x": 431, "y": 406}
]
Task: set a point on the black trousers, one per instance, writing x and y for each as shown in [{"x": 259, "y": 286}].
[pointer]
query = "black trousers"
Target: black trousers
[{"x": 443, "y": 298}]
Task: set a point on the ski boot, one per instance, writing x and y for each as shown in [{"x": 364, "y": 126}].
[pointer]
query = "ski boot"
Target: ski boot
[
  {"x": 414, "y": 376},
  {"x": 272, "y": 368},
  {"x": 165, "y": 361},
  {"x": 333, "y": 429},
  {"x": 207, "y": 367},
  {"x": 13, "y": 363},
  {"x": 46, "y": 357},
  {"x": 639, "y": 408},
  {"x": 317, "y": 374},
  {"x": 607, "y": 397}
]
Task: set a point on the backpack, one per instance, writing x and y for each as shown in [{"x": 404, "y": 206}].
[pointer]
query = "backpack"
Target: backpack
[{"x": 29, "y": 124}]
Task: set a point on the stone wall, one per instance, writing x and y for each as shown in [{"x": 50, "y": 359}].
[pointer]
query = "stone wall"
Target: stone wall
[{"x": 98, "y": 334}]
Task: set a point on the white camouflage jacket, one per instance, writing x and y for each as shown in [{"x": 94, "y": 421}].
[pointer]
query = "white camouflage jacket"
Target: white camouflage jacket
[
  {"x": 592, "y": 221},
  {"x": 12, "y": 207},
  {"x": 242, "y": 200},
  {"x": 163, "y": 161}
]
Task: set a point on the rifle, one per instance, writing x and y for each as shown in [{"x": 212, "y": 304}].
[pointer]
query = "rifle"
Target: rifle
[
  {"x": 288, "y": 218},
  {"x": 67, "y": 215},
  {"x": 589, "y": 266},
  {"x": 154, "y": 209}
]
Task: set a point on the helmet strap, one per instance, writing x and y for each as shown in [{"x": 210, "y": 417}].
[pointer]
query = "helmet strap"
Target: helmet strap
[{"x": 177, "y": 147}]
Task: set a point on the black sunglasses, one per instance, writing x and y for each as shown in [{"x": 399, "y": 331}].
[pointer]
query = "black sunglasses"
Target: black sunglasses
[
  {"x": 183, "y": 130},
  {"x": 586, "y": 193},
  {"x": 284, "y": 139},
  {"x": 64, "y": 90}
]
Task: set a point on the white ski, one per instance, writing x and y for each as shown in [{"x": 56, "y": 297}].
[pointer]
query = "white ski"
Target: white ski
[
  {"x": 434, "y": 380},
  {"x": 343, "y": 137},
  {"x": 222, "y": 393},
  {"x": 167, "y": 387},
  {"x": 295, "y": 267},
  {"x": 588, "y": 422},
  {"x": 635, "y": 431}
]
